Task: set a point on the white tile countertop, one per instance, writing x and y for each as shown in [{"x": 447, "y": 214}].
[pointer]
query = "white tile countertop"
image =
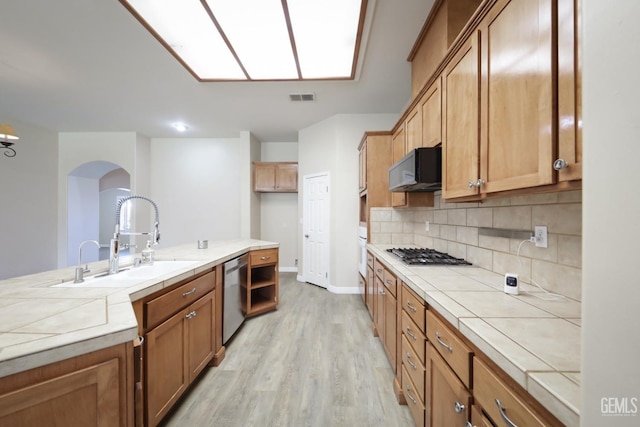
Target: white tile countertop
[
  {"x": 41, "y": 323},
  {"x": 535, "y": 341}
]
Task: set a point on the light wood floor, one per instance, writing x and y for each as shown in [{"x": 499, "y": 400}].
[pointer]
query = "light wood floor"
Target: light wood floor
[{"x": 313, "y": 362}]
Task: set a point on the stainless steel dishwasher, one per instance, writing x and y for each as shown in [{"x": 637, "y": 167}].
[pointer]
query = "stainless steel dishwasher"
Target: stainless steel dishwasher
[{"x": 235, "y": 282}]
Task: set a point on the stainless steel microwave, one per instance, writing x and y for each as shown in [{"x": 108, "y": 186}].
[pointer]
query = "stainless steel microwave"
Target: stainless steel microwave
[{"x": 419, "y": 170}]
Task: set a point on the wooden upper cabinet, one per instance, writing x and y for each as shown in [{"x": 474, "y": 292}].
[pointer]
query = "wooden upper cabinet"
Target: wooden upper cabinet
[
  {"x": 275, "y": 177},
  {"x": 516, "y": 99},
  {"x": 569, "y": 91},
  {"x": 461, "y": 85},
  {"x": 398, "y": 150},
  {"x": 431, "y": 109},
  {"x": 413, "y": 129}
]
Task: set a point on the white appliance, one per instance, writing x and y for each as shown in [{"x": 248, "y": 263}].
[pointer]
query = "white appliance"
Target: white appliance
[{"x": 362, "y": 247}]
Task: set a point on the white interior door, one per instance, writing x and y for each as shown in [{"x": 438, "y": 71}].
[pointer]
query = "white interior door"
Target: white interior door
[{"x": 315, "y": 228}]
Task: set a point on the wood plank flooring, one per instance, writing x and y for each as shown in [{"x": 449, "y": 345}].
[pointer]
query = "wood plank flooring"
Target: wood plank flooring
[{"x": 313, "y": 362}]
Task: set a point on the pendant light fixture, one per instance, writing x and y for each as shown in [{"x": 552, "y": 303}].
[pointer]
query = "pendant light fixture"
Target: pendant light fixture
[{"x": 7, "y": 134}]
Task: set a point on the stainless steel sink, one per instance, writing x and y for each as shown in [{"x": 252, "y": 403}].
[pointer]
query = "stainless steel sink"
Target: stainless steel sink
[{"x": 131, "y": 276}]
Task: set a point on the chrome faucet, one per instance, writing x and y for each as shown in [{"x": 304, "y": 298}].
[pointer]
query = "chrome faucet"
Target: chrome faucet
[
  {"x": 79, "y": 270},
  {"x": 114, "y": 248}
]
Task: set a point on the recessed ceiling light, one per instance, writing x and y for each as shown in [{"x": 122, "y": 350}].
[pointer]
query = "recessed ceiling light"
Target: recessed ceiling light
[
  {"x": 231, "y": 40},
  {"x": 180, "y": 127}
]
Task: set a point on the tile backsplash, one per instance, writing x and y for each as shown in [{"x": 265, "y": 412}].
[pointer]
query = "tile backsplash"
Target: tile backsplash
[{"x": 456, "y": 228}]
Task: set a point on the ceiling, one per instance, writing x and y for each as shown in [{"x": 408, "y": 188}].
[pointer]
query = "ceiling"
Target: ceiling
[{"x": 90, "y": 66}]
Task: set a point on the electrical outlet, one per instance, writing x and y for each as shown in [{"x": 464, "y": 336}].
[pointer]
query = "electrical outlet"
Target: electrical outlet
[
  {"x": 541, "y": 236},
  {"x": 426, "y": 226}
]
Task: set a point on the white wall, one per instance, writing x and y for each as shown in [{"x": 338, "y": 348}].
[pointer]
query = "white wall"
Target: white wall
[
  {"x": 198, "y": 186},
  {"x": 332, "y": 145},
  {"x": 279, "y": 211},
  {"x": 28, "y": 194},
  {"x": 78, "y": 148},
  {"x": 83, "y": 219},
  {"x": 611, "y": 216}
]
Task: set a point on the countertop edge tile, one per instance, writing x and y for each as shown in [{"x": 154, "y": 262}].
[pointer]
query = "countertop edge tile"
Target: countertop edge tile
[{"x": 565, "y": 405}]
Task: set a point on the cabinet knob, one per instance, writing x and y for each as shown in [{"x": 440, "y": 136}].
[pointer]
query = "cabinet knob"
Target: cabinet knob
[
  {"x": 459, "y": 407},
  {"x": 471, "y": 184},
  {"x": 480, "y": 182},
  {"x": 560, "y": 164}
]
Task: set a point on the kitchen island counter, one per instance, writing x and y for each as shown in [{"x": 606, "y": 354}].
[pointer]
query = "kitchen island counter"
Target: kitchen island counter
[
  {"x": 535, "y": 341},
  {"x": 41, "y": 323}
]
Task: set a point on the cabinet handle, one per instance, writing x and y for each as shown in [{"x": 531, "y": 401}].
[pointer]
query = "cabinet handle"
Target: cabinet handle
[
  {"x": 459, "y": 407},
  {"x": 264, "y": 257},
  {"x": 389, "y": 282},
  {"x": 413, "y": 365},
  {"x": 415, "y": 402},
  {"x": 469, "y": 424},
  {"x": 378, "y": 270},
  {"x": 504, "y": 415},
  {"x": 191, "y": 315},
  {"x": 442, "y": 343},
  {"x": 381, "y": 292},
  {"x": 411, "y": 334},
  {"x": 560, "y": 164},
  {"x": 186, "y": 294},
  {"x": 412, "y": 308}
]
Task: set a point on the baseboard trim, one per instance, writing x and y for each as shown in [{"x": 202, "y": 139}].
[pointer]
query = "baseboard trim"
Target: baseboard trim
[
  {"x": 349, "y": 290},
  {"x": 288, "y": 269}
]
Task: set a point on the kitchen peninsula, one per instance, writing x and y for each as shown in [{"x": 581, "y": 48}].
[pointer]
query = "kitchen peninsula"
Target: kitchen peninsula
[{"x": 73, "y": 345}]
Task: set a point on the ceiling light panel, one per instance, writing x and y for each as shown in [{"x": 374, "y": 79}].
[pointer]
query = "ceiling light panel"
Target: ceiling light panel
[
  {"x": 326, "y": 33},
  {"x": 219, "y": 40},
  {"x": 257, "y": 31},
  {"x": 186, "y": 29}
]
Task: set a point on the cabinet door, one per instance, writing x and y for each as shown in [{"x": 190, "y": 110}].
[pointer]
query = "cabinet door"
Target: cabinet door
[
  {"x": 379, "y": 308},
  {"x": 87, "y": 397},
  {"x": 516, "y": 107},
  {"x": 362, "y": 168},
  {"x": 390, "y": 326},
  {"x": 569, "y": 90},
  {"x": 447, "y": 400},
  {"x": 264, "y": 177},
  {"x": 431, "y": 108},
  {"x": 167, "y": 368},
  {"x": 370, "y": 290},
  {"x": 414, "y": 129},
  {"x": 287, "y": 178},
  {"x": 398, "y": 150},
  {"x": 200, "y": 331},
  {"x": 460, "y": 154}
]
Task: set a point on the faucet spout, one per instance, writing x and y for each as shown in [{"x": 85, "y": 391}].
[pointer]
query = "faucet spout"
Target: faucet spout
[
  {"x": 114, "y": 248},
  {"x": 79, "y": 270}
]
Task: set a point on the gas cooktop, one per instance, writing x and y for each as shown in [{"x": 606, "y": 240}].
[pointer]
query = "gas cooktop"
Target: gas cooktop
[{"x": 424, "y": 256}]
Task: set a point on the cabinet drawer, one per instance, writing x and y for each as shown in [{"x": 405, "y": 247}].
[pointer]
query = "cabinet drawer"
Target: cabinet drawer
[
  {"x": 453, "y": 350},
  {"x": 378, "y": 268},
  {"x": 488, "y": 390},
  {"x": 415, "y": 337},
  {"x": 413, "y": 366},
  {"x": 263, "y": 257},
  {"x": 414, "y": 307},
  {"x": 413, "y": 401},
  {"x": 390, "y": 281},
  {"x": 168, "y": 304},
  {"x": 369, "y": 259}
]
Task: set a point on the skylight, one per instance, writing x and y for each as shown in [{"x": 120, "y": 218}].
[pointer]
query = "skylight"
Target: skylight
[{"x": 218, "y": 40}]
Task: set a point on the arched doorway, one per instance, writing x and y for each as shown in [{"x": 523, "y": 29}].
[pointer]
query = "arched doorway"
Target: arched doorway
[{"x": 93, "y": 191}]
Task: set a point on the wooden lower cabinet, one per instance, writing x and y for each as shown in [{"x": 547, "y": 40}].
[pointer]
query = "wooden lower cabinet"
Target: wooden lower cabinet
[
  {"x": 182, "y": 330},
  {"x": 499, "y": 401},
  {"x": 478, "y": 419},
  {"x": 262, "y": 286},
  {"x": 94, "y": 389},
  {"x": 416, "y": 406},
  {"x": 447, "y": 399},
  {"x": 177, "y": 350}
]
